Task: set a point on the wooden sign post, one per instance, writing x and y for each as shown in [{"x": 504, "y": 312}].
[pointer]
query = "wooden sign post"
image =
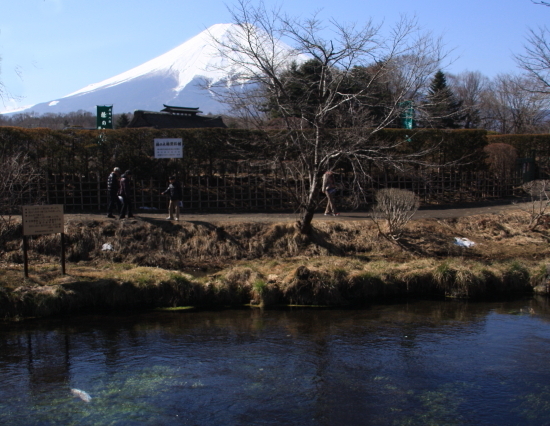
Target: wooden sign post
[{"x": 41, "y": 220}]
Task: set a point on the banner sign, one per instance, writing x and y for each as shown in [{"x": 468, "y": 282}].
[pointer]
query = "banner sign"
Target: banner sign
[
  {"x": 407, "y": 115},
  {"x": 168, "y": 148},
  {"x": 40, "y": 220},
  {"x": 104, "y": 116}
]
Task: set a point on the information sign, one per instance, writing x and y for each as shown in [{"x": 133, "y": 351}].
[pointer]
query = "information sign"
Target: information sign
[
  {"x": 40, "y": 220},
  {"x": 168, "y": 148}
]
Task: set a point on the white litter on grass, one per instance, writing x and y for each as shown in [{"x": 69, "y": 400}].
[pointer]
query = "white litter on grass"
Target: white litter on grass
[
  {"x": 84, "y": 396},
  {"x": 107, "y": 247},
  {"x": 464, "y": 242}
]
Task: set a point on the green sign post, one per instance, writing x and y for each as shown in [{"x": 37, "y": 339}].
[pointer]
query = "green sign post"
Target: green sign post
[
  {"x": 407, "y": 115},
  {"x": 104, "y": 116}
]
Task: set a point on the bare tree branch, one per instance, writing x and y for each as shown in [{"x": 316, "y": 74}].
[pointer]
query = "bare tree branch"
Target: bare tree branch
[
  {"x": 536, "y": 59},
  {"x": 323, "y": 91},
  {"x": 539, "y": 193},
  {"x": 18, "y": 185}
]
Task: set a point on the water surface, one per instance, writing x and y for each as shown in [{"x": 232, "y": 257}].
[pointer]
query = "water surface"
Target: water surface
[{"x": 418, "y": 363}]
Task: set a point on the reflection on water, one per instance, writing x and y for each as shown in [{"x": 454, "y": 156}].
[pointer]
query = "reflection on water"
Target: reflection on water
[{"x": 420, "y": 363}]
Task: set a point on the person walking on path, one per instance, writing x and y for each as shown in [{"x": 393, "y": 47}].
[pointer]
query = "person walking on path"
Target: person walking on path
[
  {"x": 125, "y": 192},
  {"x": 329, "y": 188},
  {"x": 176, "y": 196},
  {"x": 113, "y": 186}
]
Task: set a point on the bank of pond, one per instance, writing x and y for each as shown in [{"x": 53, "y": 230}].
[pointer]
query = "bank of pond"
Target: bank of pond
[
  {"x": 149, "y": 263},
  {"x": 328, "y": 282}
]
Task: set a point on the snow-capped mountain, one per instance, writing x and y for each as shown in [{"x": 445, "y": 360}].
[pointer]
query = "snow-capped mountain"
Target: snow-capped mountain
[{"x": 174, "y": 78}]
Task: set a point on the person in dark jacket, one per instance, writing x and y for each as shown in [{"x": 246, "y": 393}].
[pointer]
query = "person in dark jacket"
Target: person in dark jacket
[
  {"x": 112, "y": 191},
  {"x": 176, "y": 195},
  {"x": 125, "y": 192}
]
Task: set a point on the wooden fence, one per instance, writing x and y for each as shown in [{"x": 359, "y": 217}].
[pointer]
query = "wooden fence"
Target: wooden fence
[{"x": 273, "y": 192}]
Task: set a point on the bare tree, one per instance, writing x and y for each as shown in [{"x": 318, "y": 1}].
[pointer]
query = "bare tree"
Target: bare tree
[
  {"x": 536, "y": 59},
  {"x": 513, "y": 105},
  {"x": 469, "y": 88},
  {"x": 2, "y": 87},
  {"x": 57, "y": 121},
  {"x": 4, "y": 92},
  {"x": 18, "y": 185},
  {"x": 309, "y": 103}
]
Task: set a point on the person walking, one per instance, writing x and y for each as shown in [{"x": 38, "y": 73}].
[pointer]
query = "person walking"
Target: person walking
[
  {"x": 113, "y": 186},
  {"x": 329, "y": 188},
  {"x": 125, "y": 191},
  {"x": 176, "y": 196}
]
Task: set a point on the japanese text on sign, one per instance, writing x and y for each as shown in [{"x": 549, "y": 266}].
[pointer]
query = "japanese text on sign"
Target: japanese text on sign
[
  {"x": 39, "y": 220},
  {"x": 104, "y": 117},
  {"x": 168, "y": 148}
]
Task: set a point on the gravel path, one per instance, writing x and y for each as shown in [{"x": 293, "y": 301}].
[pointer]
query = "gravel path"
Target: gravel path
[{"x": 439, "y": 212}]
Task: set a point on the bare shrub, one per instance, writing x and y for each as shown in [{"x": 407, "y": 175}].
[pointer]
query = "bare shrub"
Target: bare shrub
[
  {"x": 18, "y": 185},
  {"x": 395, "y": 207},
  {"x": 539, "y": 191}
]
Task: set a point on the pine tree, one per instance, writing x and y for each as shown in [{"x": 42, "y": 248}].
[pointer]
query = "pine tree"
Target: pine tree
[
  {"x": 442, "y": 107},
  {"x": 122, "y": 121}
]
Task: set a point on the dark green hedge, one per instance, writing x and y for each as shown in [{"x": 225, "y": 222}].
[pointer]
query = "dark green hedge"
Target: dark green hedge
[
  {"x": 461, "y": 146},
  {"x": 84, "y": 151}
]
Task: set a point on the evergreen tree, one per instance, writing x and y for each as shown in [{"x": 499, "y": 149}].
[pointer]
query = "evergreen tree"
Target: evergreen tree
[
  {"x": 356, "y": 94},
  {"x": 122, "y": 121},
  {"x": 442, "y": 107}
]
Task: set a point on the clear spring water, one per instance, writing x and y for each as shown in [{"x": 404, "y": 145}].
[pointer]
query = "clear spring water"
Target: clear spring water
[{"x": 419, "y": 363}]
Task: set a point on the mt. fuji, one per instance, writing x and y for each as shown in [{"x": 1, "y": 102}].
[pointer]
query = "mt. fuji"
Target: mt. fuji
[{"x": 174, "y": 78}]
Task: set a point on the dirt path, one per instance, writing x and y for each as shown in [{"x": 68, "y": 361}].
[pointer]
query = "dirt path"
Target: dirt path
[{"x": 440, "y": 212}]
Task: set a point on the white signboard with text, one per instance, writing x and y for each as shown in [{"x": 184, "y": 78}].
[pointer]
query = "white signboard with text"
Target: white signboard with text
[
  {"x": 168, "y": 148},
  {"x": 40, "y": 220}
]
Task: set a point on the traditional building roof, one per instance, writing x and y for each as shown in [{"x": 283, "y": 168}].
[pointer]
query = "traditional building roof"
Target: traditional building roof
[
  {"x": 173, "y": 117},
  {"x": 181, "y": 110}
]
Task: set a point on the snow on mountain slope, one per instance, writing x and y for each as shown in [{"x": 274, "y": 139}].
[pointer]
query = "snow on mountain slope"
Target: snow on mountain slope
[
  {"x": 173, "y": 78},
  {"x": 195, "y": 57}
]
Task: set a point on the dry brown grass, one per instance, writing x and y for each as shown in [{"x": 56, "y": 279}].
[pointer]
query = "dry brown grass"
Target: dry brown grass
[
  {"x": 176, "y": 246},
  {"x": 340, "y": 263}
]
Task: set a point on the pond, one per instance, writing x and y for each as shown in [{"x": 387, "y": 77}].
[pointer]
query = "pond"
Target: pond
[{"x": 414, "y": 363}]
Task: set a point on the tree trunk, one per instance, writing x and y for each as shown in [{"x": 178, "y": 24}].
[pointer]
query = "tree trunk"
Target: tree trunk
[{"x": 304, "y": 223}]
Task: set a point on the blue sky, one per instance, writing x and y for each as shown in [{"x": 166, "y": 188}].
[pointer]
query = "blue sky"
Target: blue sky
[{"x": 50, "y": 48}]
